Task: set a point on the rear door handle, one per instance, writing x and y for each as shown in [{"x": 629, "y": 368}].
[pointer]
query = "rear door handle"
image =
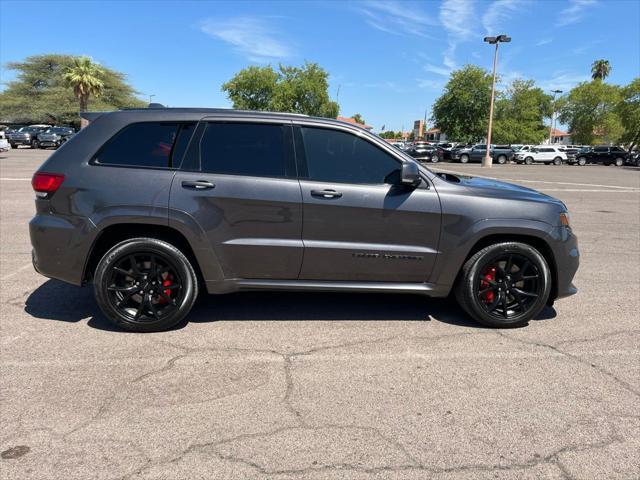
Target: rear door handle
[
  {"x": 197, "y": 184},
  {"x": 326, "y": 193}
]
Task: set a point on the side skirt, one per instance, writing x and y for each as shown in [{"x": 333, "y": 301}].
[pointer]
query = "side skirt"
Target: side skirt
[{"x": 229, "y": 286}]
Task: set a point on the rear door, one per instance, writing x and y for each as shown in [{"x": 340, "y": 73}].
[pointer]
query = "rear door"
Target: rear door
[
  {"x": 601, "y": 154},
  {"x": 238, "y": 182},
  {"x": 359, "y": 224}
]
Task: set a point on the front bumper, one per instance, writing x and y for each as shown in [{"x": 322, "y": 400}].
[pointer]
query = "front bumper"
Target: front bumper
[
  {"x": 20, "y": 141},
  {"x": 567, "y": 258},
  {"x": 49, "y": 143}
]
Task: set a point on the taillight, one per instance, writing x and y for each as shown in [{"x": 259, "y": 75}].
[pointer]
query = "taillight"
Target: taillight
[{"x": 45, "y": 183}]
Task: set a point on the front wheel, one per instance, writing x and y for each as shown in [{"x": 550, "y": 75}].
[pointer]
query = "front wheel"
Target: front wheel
[
  {"x": 464, "y": 158},
  {"x": 35, "y": 144},
  {"x": 145, "y": 285},
  {"x": 618, "y": 162},
  {"x": 435, "y": 159},
  {"x": 528, "y": 161},
  {"x": 504, "y": 285},
  {"x": 582, "y": 161}
]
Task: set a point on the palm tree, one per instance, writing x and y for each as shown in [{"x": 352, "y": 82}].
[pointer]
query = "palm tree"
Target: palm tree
[
  {"x": 600, "y": 69},
  {"x": 84, "y": 77}
]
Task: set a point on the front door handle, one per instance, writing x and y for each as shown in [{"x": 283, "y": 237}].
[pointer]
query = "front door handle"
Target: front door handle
[
  {"x": 197, "y": 184},
  {"x": 325, "y": 193}
]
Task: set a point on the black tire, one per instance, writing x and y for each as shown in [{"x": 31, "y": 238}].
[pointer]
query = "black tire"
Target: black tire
[
  {"x": 464, "y": 158},
  {"x": 435, "y": 159},
  {"x": 502, "y": 159},
  {"x": 618, "y": 162},
  {"x": 155, "y": 311},
  {"x": 472, "y": 276},
  {"x": 35, "y": 144},
  {"x": 528, "y": 161},
  {"x": 13, "y": 145},
  {"x": 582, "y": 161},
  {"x": 557, "y": 161}
]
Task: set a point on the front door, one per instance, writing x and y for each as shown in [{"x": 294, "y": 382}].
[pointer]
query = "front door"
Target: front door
[
  {"x": 244, "y": 195},
  {"x": 359, "y": 223}
]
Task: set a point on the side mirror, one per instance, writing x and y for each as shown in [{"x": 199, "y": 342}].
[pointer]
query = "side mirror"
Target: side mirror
[{"x": 410, "y": 174}]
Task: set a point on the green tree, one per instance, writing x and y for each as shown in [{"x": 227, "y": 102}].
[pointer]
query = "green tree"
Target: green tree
[
  {"x": 358, "y": 118},
  {"x": 520, "y": 112},
  {"x": 85, "y": 77},
  {"x": 463, "y": 109},
  {"x": 40, "y": 93},
  {"x": 590, "y": 110},
  {"x": 290, "y": 89},
  {"x": 600, "y": 69},
  {"x": 628, "y": 110}
]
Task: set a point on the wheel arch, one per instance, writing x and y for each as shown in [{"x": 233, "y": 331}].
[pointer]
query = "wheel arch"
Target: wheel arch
[{"x": 118, "y": 232}]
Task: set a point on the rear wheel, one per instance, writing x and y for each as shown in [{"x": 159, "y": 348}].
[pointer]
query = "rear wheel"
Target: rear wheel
[
  {"x": 502, "y": 159},
  {"x": 528, "y": 160},
  {"x": 464, "y": 158},
  {"x": 557, "y": 161},
  {"x": 145, "y": 285},
  {"x": 504, "y": 285},
  {"x": 582, "y": 161},
  {"x": 35, "y": 143},
  {"x": 435, "y": 158}
]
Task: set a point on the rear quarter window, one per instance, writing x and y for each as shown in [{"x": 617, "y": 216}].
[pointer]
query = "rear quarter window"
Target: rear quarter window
[{"x": 148, "y": 144}]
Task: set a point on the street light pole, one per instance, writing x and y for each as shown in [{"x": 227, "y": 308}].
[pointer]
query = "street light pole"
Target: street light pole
[
  {"x": 488, "y": 161},
  {"x": 151, "y": 97},
  {"x": 553, "y": 114}
]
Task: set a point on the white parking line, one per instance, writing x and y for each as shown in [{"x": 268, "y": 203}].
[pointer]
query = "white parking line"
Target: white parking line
[
  {"x": 15, "y": 179},
  {"x": 14, "y": 273},
  {"x": 539, "y": 181}
]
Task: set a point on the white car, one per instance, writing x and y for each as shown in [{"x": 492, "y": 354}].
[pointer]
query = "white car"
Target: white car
[
  {"x": 4, "y": 143},
  {"x": 542, "y": 154}
]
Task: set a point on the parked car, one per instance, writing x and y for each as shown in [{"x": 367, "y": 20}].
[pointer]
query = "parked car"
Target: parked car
[
  {"x": 27, "y": 136},
  {"x": 424, "y": 152},
  {"x": 4, "y": 143},
  {"x": 542, "y": 154},
  {"x": 478, "y": 152},
  {"x": 254, "y": 200},
  {"x": 601, "y": 154},
  {"x": 55, "y": 136},
  {"x": 634, "y": 159}
]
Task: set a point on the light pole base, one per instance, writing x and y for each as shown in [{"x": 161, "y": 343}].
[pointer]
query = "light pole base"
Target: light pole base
[{"x": 487, "y": 162}]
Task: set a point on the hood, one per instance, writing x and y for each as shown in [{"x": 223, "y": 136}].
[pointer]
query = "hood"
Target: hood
[{"x": 496, "y": 188}]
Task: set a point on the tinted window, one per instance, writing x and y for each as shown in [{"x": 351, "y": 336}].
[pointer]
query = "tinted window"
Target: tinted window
[
  {"x": 140, "y": 145},
  {"x": 244, "y": 149},
  {"x": 184, "y": 135},
  {"x": 601, "y": 149},
  {"x": 334, "y": 156},
  {"x": 616, "y": 149}
]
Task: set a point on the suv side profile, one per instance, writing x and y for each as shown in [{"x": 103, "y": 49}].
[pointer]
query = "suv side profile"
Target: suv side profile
[
  {"x": 152, "y": 206},
  {"x": 542, "y": 154},
  {"x": 601, "y": 154}
]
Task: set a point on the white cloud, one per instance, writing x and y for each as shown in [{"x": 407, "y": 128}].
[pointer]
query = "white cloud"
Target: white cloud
[
  {"x": 254, "y": 37},
  {"x": 429, "y": 84},
  {"x": 444, "y": 71},
  {"x": 544, "y": 41},
  {"x": 574, "y": 12},
  {"x": 385, "y": 85},
  {"x": 498, "y": 13},
  {"x": 563, "y": 80},
  {"x": 457, "y": 18},
  {"x": 396, "y": 18}
]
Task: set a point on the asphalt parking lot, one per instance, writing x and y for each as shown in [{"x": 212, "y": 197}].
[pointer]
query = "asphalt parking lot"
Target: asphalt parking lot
[{"x": 328, "y": 386}]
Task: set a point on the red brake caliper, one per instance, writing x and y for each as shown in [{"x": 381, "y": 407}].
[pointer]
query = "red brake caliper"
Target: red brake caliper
[
  {"x": 489, "y": 274},
  {"x": 165, "y": 283}
]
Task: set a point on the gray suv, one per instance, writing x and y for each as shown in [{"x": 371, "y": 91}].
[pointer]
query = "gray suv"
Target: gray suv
[{"x": 154, "y": 205}]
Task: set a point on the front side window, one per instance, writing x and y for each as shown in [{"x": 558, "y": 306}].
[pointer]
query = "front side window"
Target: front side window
[
  {"x": 601, "y": 149},
  {"x": 244, "y": 149},
  {"x": 335, "y": 156},
  {"x": 140, "y": 145}
]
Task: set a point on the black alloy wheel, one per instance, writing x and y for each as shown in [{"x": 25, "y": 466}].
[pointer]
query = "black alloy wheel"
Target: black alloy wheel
[
  {"x": 504, "y": 285},
  {"x": 145, "y": 285}
]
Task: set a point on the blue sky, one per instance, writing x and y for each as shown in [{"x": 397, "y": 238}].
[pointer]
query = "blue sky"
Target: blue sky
[{"x": 389, "y": 59}]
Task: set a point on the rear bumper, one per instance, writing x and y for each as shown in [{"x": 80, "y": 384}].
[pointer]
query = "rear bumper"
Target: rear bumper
[{"x": 60, "y": 246}]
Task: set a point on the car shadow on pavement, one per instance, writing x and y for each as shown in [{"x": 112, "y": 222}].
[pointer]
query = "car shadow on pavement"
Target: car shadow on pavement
[{"x": 55, "y": 300}]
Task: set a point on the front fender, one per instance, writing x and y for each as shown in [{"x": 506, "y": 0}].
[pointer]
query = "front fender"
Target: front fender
[{"x": 456, "y": 245}]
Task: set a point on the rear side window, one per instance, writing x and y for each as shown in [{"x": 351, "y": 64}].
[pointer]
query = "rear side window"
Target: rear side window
[
  {"x": 601, "y": 149},
  {"x": 140, "y": 145},
  {"x": 257, "y": 150},
  {"x": 335, "y": 156}
]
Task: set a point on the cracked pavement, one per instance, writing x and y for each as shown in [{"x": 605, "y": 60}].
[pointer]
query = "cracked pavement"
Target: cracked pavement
[{"x": 329, "y": 386}]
